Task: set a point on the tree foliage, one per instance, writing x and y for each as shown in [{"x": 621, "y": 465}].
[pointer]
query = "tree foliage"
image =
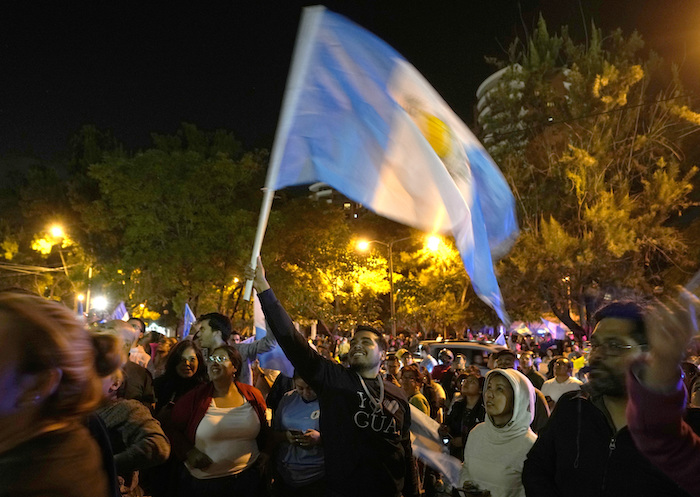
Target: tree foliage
[
  {"x": 311, "y": 252},
  {"x": 181, "y": 215},
  {"x": 591, "y": 138}
]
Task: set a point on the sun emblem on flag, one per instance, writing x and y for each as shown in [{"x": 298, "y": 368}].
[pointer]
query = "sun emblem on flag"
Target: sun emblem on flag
[
  {"x": 437, "y": 133},
  {"x": 441, "y": 138}
]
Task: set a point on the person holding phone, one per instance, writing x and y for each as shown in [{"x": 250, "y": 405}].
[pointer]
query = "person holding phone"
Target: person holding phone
[{"x": 299, "y": 459}]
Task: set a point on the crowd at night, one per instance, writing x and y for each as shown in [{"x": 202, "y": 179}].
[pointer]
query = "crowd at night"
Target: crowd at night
[{"x": 456, "y": 254}]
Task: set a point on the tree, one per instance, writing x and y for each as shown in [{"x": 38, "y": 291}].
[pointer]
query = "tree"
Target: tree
[
  {"x": 180, "y": 216},
  {"x": 591, "y": 139},
  {"x": 321, "y": 274},
  {"x": 433, "y": 289}
]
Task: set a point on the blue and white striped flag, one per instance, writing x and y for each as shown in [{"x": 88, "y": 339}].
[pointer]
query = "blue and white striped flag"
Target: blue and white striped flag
[
  {"x": 188, "y": 321},
  {"x": 359, "y": 117},
  {"x": 120, "y": 312}
]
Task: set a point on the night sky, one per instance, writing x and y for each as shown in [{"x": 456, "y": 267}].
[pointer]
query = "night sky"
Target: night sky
[{"x": 142, "y": 67}]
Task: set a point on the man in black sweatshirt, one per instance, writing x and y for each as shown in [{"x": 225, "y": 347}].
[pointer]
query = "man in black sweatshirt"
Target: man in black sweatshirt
[{"x": 365, "y": 420}]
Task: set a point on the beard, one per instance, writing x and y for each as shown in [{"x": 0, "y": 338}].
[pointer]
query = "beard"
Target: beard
[
  {"x": 362, "y": 363},
  {"x": 606, "y": 381}
]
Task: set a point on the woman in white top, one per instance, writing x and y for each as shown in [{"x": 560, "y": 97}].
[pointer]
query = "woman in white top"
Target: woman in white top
[
  {"x": 496, "y": 449},
  {"x": 218, "y": 431}
]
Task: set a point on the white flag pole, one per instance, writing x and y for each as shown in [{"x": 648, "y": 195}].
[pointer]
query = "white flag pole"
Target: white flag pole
[{"x": 310, "y": 20}]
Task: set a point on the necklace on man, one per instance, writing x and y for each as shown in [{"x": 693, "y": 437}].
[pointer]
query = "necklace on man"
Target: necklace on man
[{"x": 377, "y": 403}]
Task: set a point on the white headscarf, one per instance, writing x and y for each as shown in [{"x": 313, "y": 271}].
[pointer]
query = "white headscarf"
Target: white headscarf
[{"x": 523, "y": 407}]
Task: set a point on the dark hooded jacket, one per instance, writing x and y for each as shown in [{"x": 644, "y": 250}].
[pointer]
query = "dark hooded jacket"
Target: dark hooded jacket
[{"x": 579, "y": 454}]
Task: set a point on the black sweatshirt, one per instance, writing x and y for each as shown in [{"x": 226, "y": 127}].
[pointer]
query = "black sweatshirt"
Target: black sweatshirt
[{"x": 367, "y": 454}]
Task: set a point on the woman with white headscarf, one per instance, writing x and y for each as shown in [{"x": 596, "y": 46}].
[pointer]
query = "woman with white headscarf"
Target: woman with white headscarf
[{"x": 496, "y": 448}]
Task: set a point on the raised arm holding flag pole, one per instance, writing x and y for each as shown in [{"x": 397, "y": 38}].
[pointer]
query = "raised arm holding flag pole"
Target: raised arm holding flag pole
[{"x": 357, "y": 116}]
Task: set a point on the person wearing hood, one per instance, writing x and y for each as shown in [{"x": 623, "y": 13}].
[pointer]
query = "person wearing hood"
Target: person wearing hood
[{"x": 496, "y": 449}]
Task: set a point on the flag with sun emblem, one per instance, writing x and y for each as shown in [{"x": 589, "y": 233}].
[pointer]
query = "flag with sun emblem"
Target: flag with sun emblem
[{"x": 357, "y": 116}]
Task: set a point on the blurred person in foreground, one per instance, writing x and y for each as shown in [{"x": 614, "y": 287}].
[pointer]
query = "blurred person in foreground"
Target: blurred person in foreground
[
  {"x": 366, "y": 419},
  {"x": 138, "y": 382},
  {"x": 586, "y": 448},
  {"x": 48, "y": 384},
  {"x": 137, "y": 440},
  {"x": 657, "y": 396}
]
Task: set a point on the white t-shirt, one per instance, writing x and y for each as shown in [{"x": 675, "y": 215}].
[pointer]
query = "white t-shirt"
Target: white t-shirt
[
  {"x": 227, "y": 436},
  {"x": 552, "y": 388}
]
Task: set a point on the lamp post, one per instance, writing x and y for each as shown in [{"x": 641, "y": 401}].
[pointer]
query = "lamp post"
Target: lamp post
[
  {"x": 57, "y": 232},
  {"x": 364, "y": 245}
]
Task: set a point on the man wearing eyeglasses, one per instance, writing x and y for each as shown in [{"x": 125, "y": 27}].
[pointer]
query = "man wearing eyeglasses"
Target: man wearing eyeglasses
[{"x": 586, "y": 448}]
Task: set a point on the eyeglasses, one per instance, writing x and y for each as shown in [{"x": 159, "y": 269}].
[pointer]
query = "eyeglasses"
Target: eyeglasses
[
  {"x": 218, "y": 358},
  {"x": 612, "y": 348}
]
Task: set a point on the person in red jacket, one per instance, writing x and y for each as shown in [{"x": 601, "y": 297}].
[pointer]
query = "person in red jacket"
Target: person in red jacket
[{"x": 218, "y": 430}]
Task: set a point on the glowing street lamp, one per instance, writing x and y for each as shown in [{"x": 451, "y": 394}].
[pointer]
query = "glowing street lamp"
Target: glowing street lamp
[
  {"x": 433, "y": 243},
  {"x": 99, "y": 303},
  {"x": 363, "y": 245},
  {"x": 57, "y": 231}
]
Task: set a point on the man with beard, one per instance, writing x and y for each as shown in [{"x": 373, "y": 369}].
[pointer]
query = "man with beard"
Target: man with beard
[
  {"x": 365, "y": 420},
  {"x": 586, "y": 448}
]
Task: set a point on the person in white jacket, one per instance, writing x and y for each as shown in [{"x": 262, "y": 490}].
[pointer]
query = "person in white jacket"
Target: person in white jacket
[{"x": 496, "y": 449}]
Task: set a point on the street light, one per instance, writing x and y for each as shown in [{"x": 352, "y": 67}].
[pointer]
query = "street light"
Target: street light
[
  {"x": 433, "y": 243},
  {"x": 57, "y": 231},
  {"x": 363, "y": 245},
  {"x": 99, "y": 303}
]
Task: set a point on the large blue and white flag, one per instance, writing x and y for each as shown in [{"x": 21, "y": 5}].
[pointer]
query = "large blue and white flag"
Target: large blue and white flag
[
  {"x": 359, "y": 117},
  {"x": 274, "y": 358},
  {"x": 189, "y": 320},
  {"x": 120, "y": 312}
]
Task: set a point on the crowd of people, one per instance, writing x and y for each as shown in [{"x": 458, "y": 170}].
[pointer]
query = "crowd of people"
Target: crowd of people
[{"x": 110, "y": 410}]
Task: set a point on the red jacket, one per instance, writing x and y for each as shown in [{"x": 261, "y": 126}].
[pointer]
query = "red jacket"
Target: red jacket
[{"x": 189, "y": 410}]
